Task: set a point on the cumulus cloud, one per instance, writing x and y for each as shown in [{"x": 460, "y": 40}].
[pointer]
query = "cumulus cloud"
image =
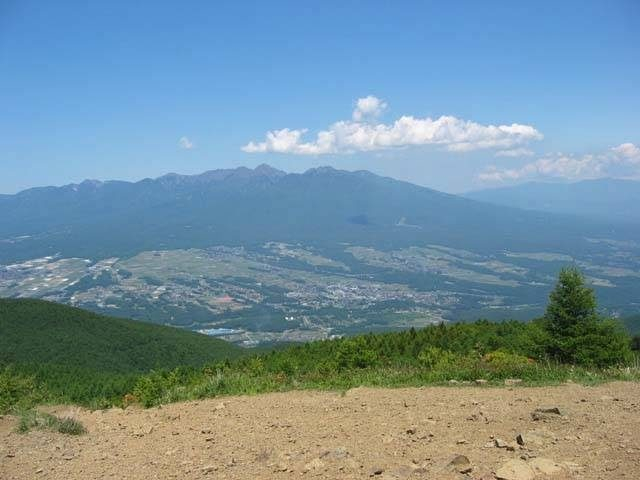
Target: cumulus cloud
[
  {"x": 363, "y": 134},
  {"x": 571, "y": 167},
  {"x": 185, "y": 143},
  {"x": 368, "y": 108},
  {"x": 627, "y": 151}
]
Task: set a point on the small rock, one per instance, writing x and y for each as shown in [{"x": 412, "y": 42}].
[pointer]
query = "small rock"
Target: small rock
[
  {"x": 502, "y": 444},
  {"x": 453, "y": 382},
  {"x": 509, "y": 382},
  {"x": 481, "y": 381},
  {"x": 401, "y": 472},
  {"x": 339, "y": 453},
  {"x": 486, "y": 476},
  {"x": 313, "y": 465},
  {"x": 411, "y": 430},
  {"x": 515, "y": 470},
  {"x": 553, "y": 410},
  {"x": 538, "y": 437},
  {"x": 462, "y": 441},
  {"x": 40, "y": 470},
  {"x": 461, "y": 464},
  {"x": 68, "y": 455},
  {"x": 209, "y": 468},
  {"x": 545, "y": 413},
  {"x": 376, "y": 471},
  {"x": 545, "y": 466}
]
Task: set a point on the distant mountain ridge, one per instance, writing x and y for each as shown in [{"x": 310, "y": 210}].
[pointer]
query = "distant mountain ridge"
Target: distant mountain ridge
[
  {"x": 210, "y": 176},
  {"x": 243, "y": 206},
  {"x": 608, "y": 198}
]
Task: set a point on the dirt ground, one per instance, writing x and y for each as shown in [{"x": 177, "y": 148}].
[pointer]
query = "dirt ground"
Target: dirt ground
[{"x": 431, "y": 433}]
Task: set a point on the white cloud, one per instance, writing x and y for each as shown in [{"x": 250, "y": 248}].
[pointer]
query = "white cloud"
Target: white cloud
[
  {"x": 363, "y": 135},
  {"x": 571, "y": 167},
  {"x": 515, "y": 152},
  {"x": 368, "y": 108},
  {"x": 627, "y": 151},
  {"x": 185, "y": 143}
]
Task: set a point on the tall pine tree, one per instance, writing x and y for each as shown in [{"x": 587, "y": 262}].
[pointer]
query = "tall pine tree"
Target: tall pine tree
[{"x": 577, "y": 334}]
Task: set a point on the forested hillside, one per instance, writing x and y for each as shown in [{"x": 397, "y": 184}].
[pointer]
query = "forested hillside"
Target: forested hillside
[{"x": 79, "y": 354}]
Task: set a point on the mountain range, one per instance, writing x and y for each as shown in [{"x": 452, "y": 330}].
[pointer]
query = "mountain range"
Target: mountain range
[
  {"x": 249, "y": 207},
  {"x": 608, "y": 198}
]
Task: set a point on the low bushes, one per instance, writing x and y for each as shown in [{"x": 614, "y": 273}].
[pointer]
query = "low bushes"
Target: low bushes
[{"x": 33, "y": 419}]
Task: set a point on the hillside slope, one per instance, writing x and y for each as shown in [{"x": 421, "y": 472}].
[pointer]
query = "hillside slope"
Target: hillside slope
[
  {"x": 40, "y": 332},
  {"x": 607, "y": 198},
  {"x": 80, "y": 356}
]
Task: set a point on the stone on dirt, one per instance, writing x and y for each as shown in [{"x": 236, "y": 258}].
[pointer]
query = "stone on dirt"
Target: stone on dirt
[
  {"x": 502, "y": 444},
  {"x": 314, "y": 465},
  {"x": 546, "y": 413},
  {"x": 515, "y": 470},
  {"x": 461, "y": 463},
  {"x": 536, "y": 438},
  {"x": 545, "y": 466}
]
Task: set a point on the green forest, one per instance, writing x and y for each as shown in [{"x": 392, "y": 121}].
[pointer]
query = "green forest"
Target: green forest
[{"x": 55, "y": 353}]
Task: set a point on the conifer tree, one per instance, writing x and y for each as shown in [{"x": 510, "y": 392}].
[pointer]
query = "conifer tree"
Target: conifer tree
[{"x": 577, "y": 334}]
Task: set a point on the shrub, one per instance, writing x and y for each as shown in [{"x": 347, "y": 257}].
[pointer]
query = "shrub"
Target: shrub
[
  {"x": 149, "y": 389},
  {"x": 354, "y": 353},
  {"x": 503, "y": 364},
  {"x": 33, "y": 419},
  {"x": 17, "y": 391},
  {"x": 601, "y": 344},
  {"x": 70, "y": 426},
  {"x": 436, "y": 358},
  {"x": 255, "y": 366}
]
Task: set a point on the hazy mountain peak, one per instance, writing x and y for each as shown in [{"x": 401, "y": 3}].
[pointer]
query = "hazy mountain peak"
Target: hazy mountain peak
[
  {"x": 222, "y": 174},
  {"x": 323, "y": 171},
  {"x": 268, "y": 170},
  {"x": 91, "y": 183}
]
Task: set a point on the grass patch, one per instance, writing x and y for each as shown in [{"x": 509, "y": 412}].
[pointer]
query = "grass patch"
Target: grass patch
[
  {"x": 34, "y": 420},
  {"x": 251, "y": 378}
]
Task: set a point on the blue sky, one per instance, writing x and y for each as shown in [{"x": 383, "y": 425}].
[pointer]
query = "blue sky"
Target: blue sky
[{"x": 107, "y": 90}]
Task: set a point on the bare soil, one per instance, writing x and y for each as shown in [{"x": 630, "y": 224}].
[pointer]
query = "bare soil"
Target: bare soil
[{"x": 365, "y": 433}]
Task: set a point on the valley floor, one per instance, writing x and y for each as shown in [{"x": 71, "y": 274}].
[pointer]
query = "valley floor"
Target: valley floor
[{"x": 378, "y": 433}]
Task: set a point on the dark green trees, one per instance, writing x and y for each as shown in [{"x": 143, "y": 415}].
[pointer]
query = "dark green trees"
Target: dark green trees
[{"x": 577, "y": 334}]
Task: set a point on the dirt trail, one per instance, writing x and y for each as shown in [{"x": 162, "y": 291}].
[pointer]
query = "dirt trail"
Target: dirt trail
[{"x": 366, "y": 433}]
